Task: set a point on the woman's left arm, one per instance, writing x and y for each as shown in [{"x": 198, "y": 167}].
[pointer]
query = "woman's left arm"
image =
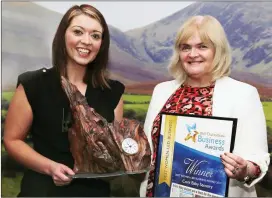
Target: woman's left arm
[
  {"x": 251, "y": 140},
  {"x": 119, "y": 110}
]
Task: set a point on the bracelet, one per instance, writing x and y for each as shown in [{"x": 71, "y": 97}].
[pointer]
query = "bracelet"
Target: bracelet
[
  {"x": 248, "y": 179},
  {"x": 257, "y": 169}
]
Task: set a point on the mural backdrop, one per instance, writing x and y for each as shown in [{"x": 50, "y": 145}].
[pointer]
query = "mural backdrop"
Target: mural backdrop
[{"x": 139, "y": 59}]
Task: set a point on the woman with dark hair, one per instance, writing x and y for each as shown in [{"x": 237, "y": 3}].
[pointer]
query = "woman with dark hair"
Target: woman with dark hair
[{"x": 39, "y": 105}]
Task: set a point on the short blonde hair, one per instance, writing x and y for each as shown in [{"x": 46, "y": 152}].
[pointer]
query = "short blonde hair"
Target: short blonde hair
[{"x": 211, "y": 32}]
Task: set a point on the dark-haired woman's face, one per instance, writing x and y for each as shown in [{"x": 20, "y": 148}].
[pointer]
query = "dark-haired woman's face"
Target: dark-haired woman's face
[{"x": 83, "y": 40}]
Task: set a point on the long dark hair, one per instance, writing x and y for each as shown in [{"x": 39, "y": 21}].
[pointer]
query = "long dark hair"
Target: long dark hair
[{"x": 96, "y": 71}]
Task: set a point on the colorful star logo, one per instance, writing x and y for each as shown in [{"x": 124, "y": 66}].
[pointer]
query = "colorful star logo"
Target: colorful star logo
[{"x": 192, "y": 132}]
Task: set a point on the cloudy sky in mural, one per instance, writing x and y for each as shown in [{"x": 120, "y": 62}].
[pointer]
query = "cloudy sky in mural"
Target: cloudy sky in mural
[{"x": 123, "y": 14}]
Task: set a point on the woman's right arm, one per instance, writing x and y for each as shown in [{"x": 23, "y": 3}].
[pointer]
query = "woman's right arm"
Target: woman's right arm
[{"x": 18, "y": 122}]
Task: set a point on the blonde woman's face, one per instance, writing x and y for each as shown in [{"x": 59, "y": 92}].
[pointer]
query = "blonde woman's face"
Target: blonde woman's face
[
  {"x": 196, "y": 57},
  {"x": 83, "y": 40}
]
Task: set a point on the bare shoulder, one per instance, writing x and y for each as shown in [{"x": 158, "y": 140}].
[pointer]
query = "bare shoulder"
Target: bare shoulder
[
  {"x": 19, "y": 101},
  {"x": 19, "y": 116}
]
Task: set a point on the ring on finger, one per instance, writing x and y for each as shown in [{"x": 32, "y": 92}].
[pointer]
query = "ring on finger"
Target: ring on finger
[{"x": 233, "y": 171}]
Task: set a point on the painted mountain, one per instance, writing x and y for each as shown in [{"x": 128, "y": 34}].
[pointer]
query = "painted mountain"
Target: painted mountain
[
  {"x": 27, "y": 34},
  {"x": 247, "y": 25},
  {"x": 139, "y": 57}
]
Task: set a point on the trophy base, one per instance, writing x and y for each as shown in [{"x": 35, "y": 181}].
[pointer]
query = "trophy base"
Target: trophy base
[{"x": 113, "y": 174}]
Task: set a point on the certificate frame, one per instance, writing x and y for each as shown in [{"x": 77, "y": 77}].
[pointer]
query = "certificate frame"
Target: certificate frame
[{"x": 188, "y": 155}]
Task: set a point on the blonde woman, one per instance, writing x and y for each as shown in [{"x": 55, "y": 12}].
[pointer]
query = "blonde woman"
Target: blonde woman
[{"x": 200, "y": 66}]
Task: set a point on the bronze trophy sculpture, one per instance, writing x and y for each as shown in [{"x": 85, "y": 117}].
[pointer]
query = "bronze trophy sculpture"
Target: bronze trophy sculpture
[{"x": 99, "y": 147}]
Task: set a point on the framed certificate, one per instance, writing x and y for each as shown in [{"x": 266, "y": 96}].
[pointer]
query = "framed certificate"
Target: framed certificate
[{"x": 188, "y": 161}]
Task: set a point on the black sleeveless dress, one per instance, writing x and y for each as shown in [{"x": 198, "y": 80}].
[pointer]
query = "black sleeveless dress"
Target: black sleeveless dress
[{"x": 51, "y": 118}]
